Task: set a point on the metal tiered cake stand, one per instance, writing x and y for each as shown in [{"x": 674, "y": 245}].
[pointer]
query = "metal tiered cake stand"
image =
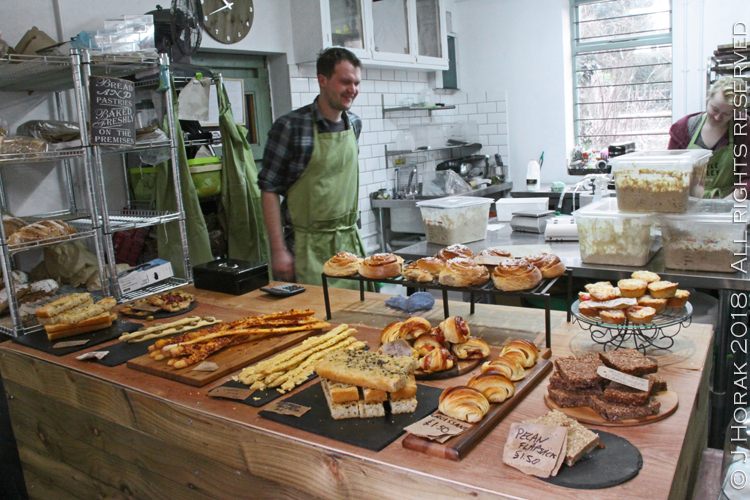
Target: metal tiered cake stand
[{"x": 653, "y": 334}]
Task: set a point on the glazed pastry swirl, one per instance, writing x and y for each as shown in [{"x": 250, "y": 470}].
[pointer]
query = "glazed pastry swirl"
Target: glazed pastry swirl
[
  {"x": 464, "y": 403},
  {"x": 516, "y": 274},
  {"x": 463, "y": 272},
  {"x": 454, "y": 251},
  {"x": 549, "y": 264},
  {"x": 342, "y": 264},
  {"x": 381, "y": 265},
  {"x": 413, "y": 272},
  {"x": 432, "y": 265}
]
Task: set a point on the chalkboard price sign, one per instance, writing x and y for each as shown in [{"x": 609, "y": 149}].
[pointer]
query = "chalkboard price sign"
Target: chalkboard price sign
[{"x": 112, "y": 111}]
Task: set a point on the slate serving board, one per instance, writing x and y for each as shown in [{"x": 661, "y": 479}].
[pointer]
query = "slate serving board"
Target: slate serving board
[
  {"x": 38, "y": 340},
  {"x": 162, "y": 314},
  {"x": 260, "y": 398},
  {"x": 370, "y": 433},
  {"x": 601, "y": 468}
]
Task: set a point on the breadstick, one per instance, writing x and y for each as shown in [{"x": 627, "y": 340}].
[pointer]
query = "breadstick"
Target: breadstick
[
  {"x": 159, "y": 327},
  {"x": 256, "y": 372},
  {"x": 277, "y": 381},
  {"x": 259, "y": 331},
  {"x": 302, "y": 356},
  {"x": 307, "y": 371}
]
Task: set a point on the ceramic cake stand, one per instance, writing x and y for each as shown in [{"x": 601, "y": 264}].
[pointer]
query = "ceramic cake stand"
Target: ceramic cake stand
[{"x": 650, "y": 335}]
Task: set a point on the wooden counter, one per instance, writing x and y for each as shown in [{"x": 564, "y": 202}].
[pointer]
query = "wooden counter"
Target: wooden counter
[{"x": 86, "y": 431}]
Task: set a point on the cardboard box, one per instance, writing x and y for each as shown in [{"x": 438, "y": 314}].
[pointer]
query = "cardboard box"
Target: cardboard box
[{"x": 144, "y": 275}]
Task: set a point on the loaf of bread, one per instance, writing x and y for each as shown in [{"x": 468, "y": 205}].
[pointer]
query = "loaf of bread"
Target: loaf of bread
[
  {"x": 63, "y": 304},
  {"x": 413, "y": 272},
  {"x": 366, "y": 369},
  {"x": 12, "y": 224},
  {"x": 342, "y": 264},
  {"x": 432, "y": 265},
  {"x": 464, "y": 403},
  {"x": 381, "y": 265},
  {"x": 516, "y": 274},
  {"x": 461, "y": 272},
  {"x": 81, "y": 313},
  {"x": 42, "y": 230},
  {"x": 88, "y": 325}
]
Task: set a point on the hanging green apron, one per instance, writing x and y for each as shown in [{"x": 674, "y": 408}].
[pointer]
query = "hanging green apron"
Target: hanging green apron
[
  {"x": 720, "y": 171},
  {"x": 168, "y": 235},
  {"x": 240, "y": 195},
  {"x": 323, "y": 205}
]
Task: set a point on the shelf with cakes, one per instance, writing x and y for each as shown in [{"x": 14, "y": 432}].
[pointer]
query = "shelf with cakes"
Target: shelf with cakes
[
  {"x": 642, "y": 310},
  {"x": 456, "y": 268}
]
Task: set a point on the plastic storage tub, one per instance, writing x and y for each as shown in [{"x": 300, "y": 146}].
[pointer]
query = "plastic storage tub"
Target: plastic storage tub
[
  {"x": 703, "y": 238},
  {"x": 455, "y": 219},
  {"x": 506, "y": 206},
  {"x": 206, "y": 174},
  {"x": 608, "y": 236},
  {"x": 659, "y": 181}
]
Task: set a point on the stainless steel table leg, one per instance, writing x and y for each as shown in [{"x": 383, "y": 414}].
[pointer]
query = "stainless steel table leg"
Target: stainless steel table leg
[{"x": 719, "y": 389}]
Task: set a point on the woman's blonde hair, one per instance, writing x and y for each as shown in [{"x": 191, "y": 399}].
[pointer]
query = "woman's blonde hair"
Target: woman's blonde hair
[{"x": 732, "y": 90}]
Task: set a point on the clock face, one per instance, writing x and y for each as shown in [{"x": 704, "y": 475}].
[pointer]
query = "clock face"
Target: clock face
[{"x": 228, "y": 21}]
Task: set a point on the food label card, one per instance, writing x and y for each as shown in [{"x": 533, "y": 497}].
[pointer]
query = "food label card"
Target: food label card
[
  {"x": 438, "y": 427},
  {"x": 231, "y": 393},
  {"x": 635, "y": 382},
  {"x": 536, "y": 449},
  {"x": 286, "y": 408},
  {"x": 70, "y": 343}
]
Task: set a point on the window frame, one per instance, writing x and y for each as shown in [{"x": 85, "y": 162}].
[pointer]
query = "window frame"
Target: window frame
[{"x": 582, "y": 47}]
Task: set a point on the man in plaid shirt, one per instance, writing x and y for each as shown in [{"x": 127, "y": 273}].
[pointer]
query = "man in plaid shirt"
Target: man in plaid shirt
[{"x": 311, "y": 160}]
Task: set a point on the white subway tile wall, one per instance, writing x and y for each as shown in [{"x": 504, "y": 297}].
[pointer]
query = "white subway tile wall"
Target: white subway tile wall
[{"x": 391, "y": 87}]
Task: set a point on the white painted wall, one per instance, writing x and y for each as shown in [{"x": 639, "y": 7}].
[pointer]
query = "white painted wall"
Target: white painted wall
[
  {"x": 699, "y": 27},
  {"x": 523, "y": 48}
]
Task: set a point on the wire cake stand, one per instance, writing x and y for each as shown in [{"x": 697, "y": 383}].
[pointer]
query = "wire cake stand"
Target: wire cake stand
[{"x": 652, "y": 334}]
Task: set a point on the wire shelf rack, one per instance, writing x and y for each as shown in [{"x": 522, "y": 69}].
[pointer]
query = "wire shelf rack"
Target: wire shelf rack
[
  {"x": 541, "y": 291},
  {"x": 39, "y": 73},
  {"x": 80, "y": 220},
  {"x": 651, "y": 335},
  {"x": 15, "y": 158}
]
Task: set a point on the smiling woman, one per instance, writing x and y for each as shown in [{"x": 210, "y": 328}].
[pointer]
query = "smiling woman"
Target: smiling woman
[{"x": 715, "y": 130}]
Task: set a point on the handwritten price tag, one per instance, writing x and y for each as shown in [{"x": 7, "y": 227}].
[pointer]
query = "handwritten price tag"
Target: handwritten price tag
[
  {"x": 284, "y": 408},
  {"x": 438, "y": 427},
  {"x": 536, "y": 449},
  {"x": 231, "y": 393},
  {"x": 635, "y": 382},
  {"x": 70, "y": 343}
]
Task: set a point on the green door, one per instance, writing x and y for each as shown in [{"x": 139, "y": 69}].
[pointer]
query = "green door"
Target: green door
[{"x": 252, "y": 70}]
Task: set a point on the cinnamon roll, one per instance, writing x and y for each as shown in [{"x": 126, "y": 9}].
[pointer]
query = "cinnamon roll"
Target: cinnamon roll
[
  {"x": 381, "y": 265},
  {"x": 412, "y": 272},
  {"x": 455, "y": 329},
  {"x": 462, "y": 272},
  {"x": 473, "y": 348},
  {"x": 494, "y": 386},
  {"x": 437, "y": 360},
  {"x": 549, "y": 264},
  {"x": 342, "y": 264},
  {"x": 432, "y": 265},
  {"x": 516, "y": 274},
  {"x": 464, "y": 403},
  {"x": 527, "y": 349},
  {"x": 453, "y": 251}
]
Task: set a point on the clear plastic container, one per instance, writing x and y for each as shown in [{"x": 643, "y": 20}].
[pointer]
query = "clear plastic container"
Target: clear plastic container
[
  {"x": 659, "y": 181},
  {"x": 703, "y": 238},
  {"x": 455, "y": 219},
  {"x": 608, "y": 236}
]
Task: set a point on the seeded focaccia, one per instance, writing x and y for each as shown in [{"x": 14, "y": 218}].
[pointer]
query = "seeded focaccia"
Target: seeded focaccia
[{"x": 367, "y": 369}]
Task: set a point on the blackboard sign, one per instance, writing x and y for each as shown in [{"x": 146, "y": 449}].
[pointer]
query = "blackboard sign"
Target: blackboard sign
[{"x": 112, "y": 111}]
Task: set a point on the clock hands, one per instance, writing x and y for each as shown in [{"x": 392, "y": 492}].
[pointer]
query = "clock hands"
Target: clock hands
[{"x": 227, "y": 5}]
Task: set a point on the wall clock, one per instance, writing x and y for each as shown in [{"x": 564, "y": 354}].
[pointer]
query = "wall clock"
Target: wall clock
[{"x": 228, "y": 21}]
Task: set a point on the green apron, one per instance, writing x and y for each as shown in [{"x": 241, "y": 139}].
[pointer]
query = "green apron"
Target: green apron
[
  {"x": 323, "y": 205},
  {"x": 240, "y": 195},
  {"x": 168, "y": 235},
  {"x": 720, "y": 171}
]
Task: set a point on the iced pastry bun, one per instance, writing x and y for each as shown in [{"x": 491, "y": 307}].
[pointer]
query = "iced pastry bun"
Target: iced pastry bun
[
  {"x": 461, "y": 272},
  {"x": 453, "y": 251},
  {"x": 412, "y": 272},
  {"x": 342, "y": 264},
  {"x": 381, "y": 265},
  {"x": 516, "y": 274},
  {"x": 549, "y": 264}
]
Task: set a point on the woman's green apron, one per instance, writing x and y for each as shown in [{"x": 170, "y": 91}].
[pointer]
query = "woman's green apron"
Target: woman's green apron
[
  {"x": 323, "y": 205},
  {"x": 720, "y": 172}
]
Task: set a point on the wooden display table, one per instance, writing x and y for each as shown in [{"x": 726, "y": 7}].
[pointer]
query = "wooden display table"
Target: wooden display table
[{"x": 88, "y": 431}]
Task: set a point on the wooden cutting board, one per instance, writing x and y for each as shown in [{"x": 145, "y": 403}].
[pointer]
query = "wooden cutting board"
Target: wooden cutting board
[
  {"x": 459, "y": 446},
  {"x": 587, "y": 415},
  {"x": 229, "y": 359}
]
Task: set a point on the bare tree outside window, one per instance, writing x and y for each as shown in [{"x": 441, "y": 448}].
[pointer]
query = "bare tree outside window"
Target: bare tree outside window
[{"x": 623, "y": 72}]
